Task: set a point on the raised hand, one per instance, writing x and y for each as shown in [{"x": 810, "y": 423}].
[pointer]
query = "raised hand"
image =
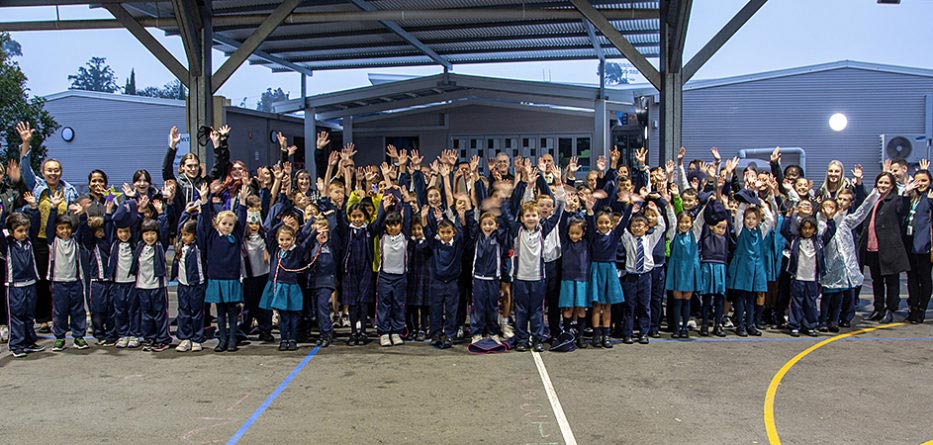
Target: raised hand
[
  {"x": 886, "y": 165},
  {"x": 216, "y": 187},
  {"x": 601, "y": 163},
  {"x": 924, "y": 164},
  {"x": 615, "y": 155},
  {"x": 715, "y": 152},
  {"x": 573, "y": 166},
  {"x": 13, "y": 171},
  {"x": 205, "y": 190},
  {"x": 386, "y": 169},
  {"x": 348, "y": 152},
  {"x": 680, "y": 154},
  {"x": 128, "y": 191},
  {"x": 292, "y": 149},
  {"x": 474, "y": 163},
  {"x": 157, "y": 203},
  {"x": 283, "y": 141},
  {"x": 641, "y": 155},
  {"x": 443, "y": 168},
  {"x": 277, "y": 172},
  {"x": 286, "y": 168},
  {"x": 320, "y": 184},
  {"x": 244, "y": 191},
  {"x": 391, "y": 152},
  {"x": 168, "y": 191},
  {"x": 669, "y": 168},
  {"x": 675, "y": 190},
  {"x": 416, "y": 158},
  {"x": 387, "y": 200},
  {"x": 776, "y": 155},
  {"x": 141, "y": 203},
  {"x": 30, "y": 199},
  {"x": 173, "y": 137},
  {"x": 323, "y": 140},
  {"x": 857, "y": 172},
  {"x": 26, "y": 132},
  {"x": 402, "y": 157}
]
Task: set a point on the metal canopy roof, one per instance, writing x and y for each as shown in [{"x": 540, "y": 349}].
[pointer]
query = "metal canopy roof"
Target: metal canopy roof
[{"x": 345, "y": 34}]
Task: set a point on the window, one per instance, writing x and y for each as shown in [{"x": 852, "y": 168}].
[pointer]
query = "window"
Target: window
[
  {"x": 564, "y": 150},
  {"x": 583, "y": 151}
]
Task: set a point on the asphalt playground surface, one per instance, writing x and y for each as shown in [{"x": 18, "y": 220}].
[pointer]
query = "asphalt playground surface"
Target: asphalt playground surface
[{"x": 874, "y": 387}]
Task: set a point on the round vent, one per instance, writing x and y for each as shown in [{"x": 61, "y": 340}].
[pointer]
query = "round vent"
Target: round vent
[{"x": 898, "y": 147}]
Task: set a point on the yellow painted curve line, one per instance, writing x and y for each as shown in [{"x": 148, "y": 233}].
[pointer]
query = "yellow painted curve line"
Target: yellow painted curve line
[{"x": 776, "y": 380}]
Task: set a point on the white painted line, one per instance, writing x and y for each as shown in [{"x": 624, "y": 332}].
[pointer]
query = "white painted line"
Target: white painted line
[{"x": 555, "y": 403}]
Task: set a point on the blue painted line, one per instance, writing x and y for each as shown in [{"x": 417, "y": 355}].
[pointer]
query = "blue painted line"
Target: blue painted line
[{"x": 265, "y": 404}]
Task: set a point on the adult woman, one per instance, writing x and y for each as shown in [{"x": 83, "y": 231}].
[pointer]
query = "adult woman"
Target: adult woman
[
  {"x": 189, "y": 167},
  {"x": 142, "y": 184},
  {"x": 882, "y": 247},
  {"x": 919, "y": 283},
  {"x": 834, "y": 182},
  {"x": 43, "y": 188}
]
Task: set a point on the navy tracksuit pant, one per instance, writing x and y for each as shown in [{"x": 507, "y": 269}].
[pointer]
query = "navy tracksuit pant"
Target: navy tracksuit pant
[
  {"x": 125, "y": 309},
  {"x": 153, "y": 308},
  {"x": 102, "y": 319},
  {"x": 191, "y": 312},
  {"x": 528, "y": 301},
  {"x": 390, "y": 303},
  {"x": 803, "y": 304},
  {"x": 658, "y": 281},
  {"x": 485, "y": 315},
  {"x": 444, "y": 296},
  {"x": 21, "y": 304},
  {"x": 637, "y": 290},
  {"x": 288, "y": 325},
  {"x": 68, "y": 306},
  {"x": 322, "y": 306}
]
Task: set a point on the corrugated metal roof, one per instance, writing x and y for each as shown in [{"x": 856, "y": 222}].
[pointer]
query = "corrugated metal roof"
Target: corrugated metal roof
[{"x": 474, "y": 39}]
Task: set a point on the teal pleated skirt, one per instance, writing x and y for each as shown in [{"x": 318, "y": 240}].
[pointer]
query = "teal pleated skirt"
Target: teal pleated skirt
[
  {"x": 223, "y": 291},
  {"x": 604, "y": 284},
  {"x": 281, "y": 296},
  {"x": 573, "y": 294}
]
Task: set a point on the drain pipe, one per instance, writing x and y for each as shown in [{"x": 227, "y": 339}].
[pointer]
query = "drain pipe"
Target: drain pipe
[{"x": 745, "y": 152}]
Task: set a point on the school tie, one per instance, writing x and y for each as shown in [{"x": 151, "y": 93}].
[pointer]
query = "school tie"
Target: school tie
[{"x": 639, "y": 256}]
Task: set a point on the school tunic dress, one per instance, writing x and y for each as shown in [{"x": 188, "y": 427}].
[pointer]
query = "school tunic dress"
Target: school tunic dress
[
  {"x": 747, "y": 270},
  {"x": 223, "y": 253},
  {"x": 575, "y": 273},
  {"x": 683, "y": 267},
  {"x": 282, "y": 291}
]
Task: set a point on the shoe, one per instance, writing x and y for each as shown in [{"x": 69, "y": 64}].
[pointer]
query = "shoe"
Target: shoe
[
  {"x": 159, "y": 347},
  {"x": 397, "y": 339},
  {"x": 325, "y": 340},
  {"x": 719, "y": 331},
  {"x": 196, "y": 347},
  {"x": 627, "y": 340},
  {"x": 319, "y": 341},
  {"x": 498, "y": 340},
  {"x": 362, "y": 339},
  {"x": 384, "y": 340},
  {"x": 704, "y": 331},
  {"x": 266, "y": 337},
  {"x": 691, "y": 325},
  {"x": 108, "y": 343},
  {"x": 812, "y": 333},
  {"x": 597, "y": 341},
  {"x": 685, "y": 334},
  {"x": 292, "y": 345},
  {"x": 795, "y": 333},
  {"x": 19, "y": 353},
  {"x": 887, "y": 318},
  {"x": 59, "y": 345},
  {"x": 345, "y": 320},
  {"x": 607, "y": 342},
  {"x": 822, "y": 328},
  {"x": 420, "y": 336},
  {"x": 122, "y": 342},
  {"x": 727, "y": 322},
  {"x": 44, "y": 329},
  {"x": 476, "y": 338},
  {"x": 34, "y": 348},
  {"x": 80, "y": 343},
  {"x": 221, "y": 346},
  {"x": 845, "y": 324},
  {"x": 4, "y": 334},
  {"x": 232, "y": 347},
  {"x": 133, "y": 343},
  {"x": 833, "y": 328},
  {"x": 643, "y": 340},
  {"x": 754, "y": 332},
  {"x": 741, "y": 332},
  {"x": 538, "y": 346},
  {"x": 447, "y": 343},
  {"x": 507, "y": 330},
  {"x": 654, "y": 334},
  {"x": 521, "y": 347},
  {"x": 184, "y": 346},
  {"x": 581, "y": 343},
  {"x": 283, "y": 345},
  {"x": 675, "y": 335},
  {"x": 876, "y": 315}
]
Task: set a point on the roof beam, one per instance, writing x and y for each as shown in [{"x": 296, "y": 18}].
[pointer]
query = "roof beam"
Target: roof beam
[
  {"x": 701, "y": 57},
  {"x": 678, "y": 17},
  {"x": 601, "y": 21},
  {"x": 222, "y": 21},
  {"x": 252, "y": 43},
  {"x": 153, "y": 45},
  {"x": 185, "y": 10},
  {"x": 591, "y": 33},
  {"x": 233, "y": 44},
  {"x": 405, "y": 35}
]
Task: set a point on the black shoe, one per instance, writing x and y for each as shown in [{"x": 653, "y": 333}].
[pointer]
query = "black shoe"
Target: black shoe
[
  {"x": 704, "y": 331},
  {"x": 266, "y": 337},
  {"x": 352, "y": 340},
  {"x": 44, "y": 329},
  {"x": 654, "y": 334},
  {"x": 283, "y": 345},
  {"x": 812, "y": 332},
  {"x": 362, "y": 339},
  {"x": 292, "y": 345},
  {"x": 232, "y": 347},
  {"x": 221, "y": 347},
  {"x": 607, "y": 342},
  {"x": 833, "y": 328},
  {"x": 643, "y": 340},
  {"x": 741, "y": 332},
  {"x": 794, "y": 333},
  {"x": 521, "y": 347},
  {"x": 538, "y": 346},
  {"x": 685, "y": 334},
  {"x": 876, "y": 316},
  {"x": 597, "y": 341},
  {"x": 675, "y": 335},
  {"x": 325, "y": 340},
  {"x": 719, "y": 332},
  {"x": 34, "y": 348},
  {"x": 754, "y": 332},
  {"x": 887, "y": 318},
  {"x": 823, "y": 328},
  {"x": 845, "y": 324},
  {"x": 447, "y": 343},
  {"x": 627, "y": 340}
]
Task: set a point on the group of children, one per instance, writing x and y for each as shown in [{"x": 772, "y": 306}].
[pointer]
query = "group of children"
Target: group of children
[{"x": 532, "y": 256}]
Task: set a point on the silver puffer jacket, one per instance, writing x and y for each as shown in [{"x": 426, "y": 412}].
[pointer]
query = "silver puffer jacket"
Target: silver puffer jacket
[{"x": 842, "y": 268}]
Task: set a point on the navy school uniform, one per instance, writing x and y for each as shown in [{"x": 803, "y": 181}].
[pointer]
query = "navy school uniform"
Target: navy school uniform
[
  {"x": 392, "y": 282},
  {"x": 636, "y": 284},
  {"x": 746, "y": 273},
  {"x": 805, "y": 289},
  {"x": 100, "y": 288},
  {"x": 188, "y": 269},
  {"x": 528, "y": 271},
  {"x": 324, "y": 263},
  {"x": 714, "y": 255},
  {"x": 487, "y": 275},
  {"x": 445, "y": 267},
  {"x": 21, "y": 278},
  {"x": 123, "y": 291},
  {"x": 575, "y": 265},
  {"x": 659, "y": 272},
  {"x": 67, "y": 291},
  {"x": 282, "y": 291},
  {"x": 153, "y": 300},
  {"x": 224, "y": 252},
  {"x": 604, "y": 287},
  {"x": 357, "y": 278}
]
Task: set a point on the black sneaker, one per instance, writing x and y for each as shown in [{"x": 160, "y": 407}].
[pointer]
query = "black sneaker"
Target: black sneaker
[
  {"x": 833, "y": 328},
  {"x": 754, "y": 332},
  {"x": 643, "y": 340},
  {"x": 607, "y": 342},
  {"x": 719, "y": 331},
  {"x": 420, "y": 336},
  {"x": 266, "y": 337},
  {"x": 654, "y": 334},
  {"x": 741, "y": 332},
  {"x": 292, "y": 345},
  {"x": 351, "y": 341},
  {"x": 34, "y": 348},
  {"x": 221, "y": 347},
  {"x": 325, "y": 341},
  {"x": 794, "y": 333},
  {"x": 521, "y": 347},
  {"x": 283, "y": 346},
  {"x": 597, "y": 341},
  {"x": 538, "y": 346},
  {"x": 19, "y": 353},
  {"x": 812, "y": 333},
  {"x": 704, "y": 331},
  {"x": 627, "y": 340}
]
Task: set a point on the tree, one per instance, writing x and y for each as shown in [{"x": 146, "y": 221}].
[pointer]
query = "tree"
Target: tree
[
  {"x": 130, "y": 87},
  {"x": 16, "y": 105},
  {"x": 171, "y": 90},
  {"x": 270, "y": 97},
  {"x": 12, "y": 47},
  {"x": 615, "y": 74},
  {"x": 98, "y": 76}
]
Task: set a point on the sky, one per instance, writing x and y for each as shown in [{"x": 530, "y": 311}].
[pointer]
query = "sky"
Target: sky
[{"x": 783, "y": 34}]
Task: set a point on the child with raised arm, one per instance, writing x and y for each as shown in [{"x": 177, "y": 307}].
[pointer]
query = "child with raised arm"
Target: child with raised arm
[
  {"x": 604, "y": 289},
  {"x": 746, "y": 273},
  {"x": 66, "y": 275},
  {"x": 97, "y": 239},
  {"x": 152, "y": 278}
]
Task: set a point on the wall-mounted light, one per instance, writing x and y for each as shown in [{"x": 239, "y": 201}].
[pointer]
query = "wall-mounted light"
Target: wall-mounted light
[
  {"x": 68, "y": 134},
  {"x": 838, "y": 122}
]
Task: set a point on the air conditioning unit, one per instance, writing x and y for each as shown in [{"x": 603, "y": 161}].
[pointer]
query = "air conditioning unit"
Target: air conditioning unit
[{"x": 913, "y": 147}]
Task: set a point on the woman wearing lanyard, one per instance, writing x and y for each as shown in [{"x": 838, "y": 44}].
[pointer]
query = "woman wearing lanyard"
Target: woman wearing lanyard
[
  {"x": 919, "y": 282},
  {"x": 882, "y": 246},
  {"x": 50, "y": 183}
]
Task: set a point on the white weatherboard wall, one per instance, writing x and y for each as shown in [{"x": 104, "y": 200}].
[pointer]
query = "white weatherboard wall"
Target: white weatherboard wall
[{"x": 794, "y": 111}]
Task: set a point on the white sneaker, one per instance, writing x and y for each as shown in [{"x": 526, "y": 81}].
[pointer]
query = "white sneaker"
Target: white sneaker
[
  {"x": 496, "y": 339},
  {"x": 132, "y": 343},
  {"x": 122, "y": 343},
  {"x": 184, "y": 346},
  {"x": 692, "y": 325},
  {"x": 4, "y": 334},
  {"x": 476, "y": 338},
  {"x": 507, "y": 331},
  {"x": 195, "y": 346},
  {"x": 384, "y": 340},
  {"x": 397, "y": 339}
]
